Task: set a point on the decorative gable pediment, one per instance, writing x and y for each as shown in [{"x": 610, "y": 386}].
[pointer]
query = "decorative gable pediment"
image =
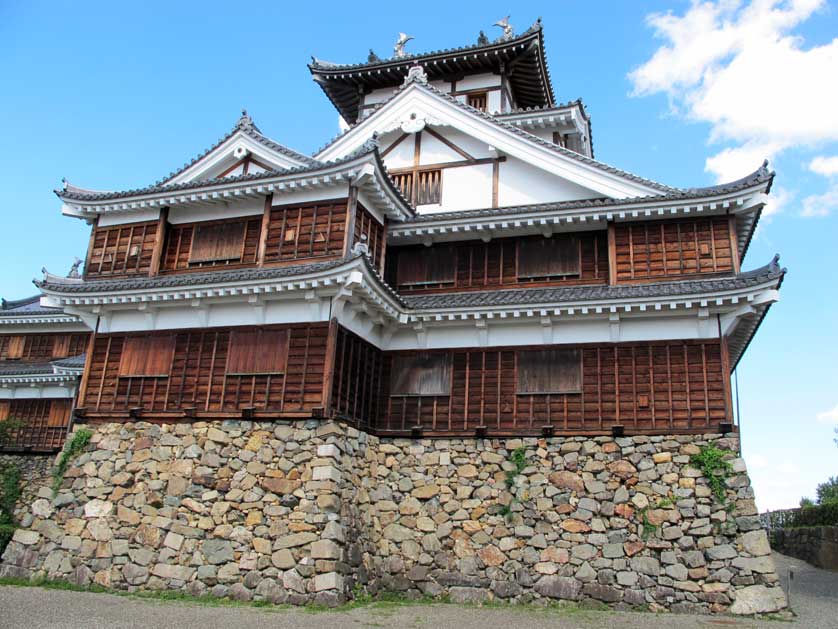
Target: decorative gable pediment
[
  {"x": 417, "y": 105},
  {"x": 242, "y": 151}
]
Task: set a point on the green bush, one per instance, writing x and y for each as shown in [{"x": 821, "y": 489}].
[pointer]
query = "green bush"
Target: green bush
[
  {"x": 825, "y": 514},
  {"x": 74, "y": 447},
  {"x": 828, "y": 491},
  {"x": 9, "y": 494}
]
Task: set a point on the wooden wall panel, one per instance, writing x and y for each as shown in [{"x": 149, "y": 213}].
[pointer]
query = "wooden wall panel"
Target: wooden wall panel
[
  {"x": 121, "y": 250},
  {"x": 306, "y": 231},
  {"x": 357, "y": 384},
  {"x": 675, "y": 386},
  {"x": 40, "y": 425},
  {"x": 42, "y": 347},
  {"x": 673, "y": 248},
  {"x": 176, "y": 251},
  {"x": 366, "y": 224},
  {"x": 198, "y": 381},
  {"x": 481, "y": 265}
]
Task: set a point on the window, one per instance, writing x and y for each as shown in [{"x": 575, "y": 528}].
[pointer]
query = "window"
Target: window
[
  {"x": 418, "y": 266},
  {"x": 16, "y": 346},
  {"x": 540, "y": 258},
  {"x": 147, "y": 356},
  {"x": 421, "y": 374},
  {"x": 255, "y": 352},
  {"x": 479, "y": 101},
  {"x": 550, "y": 371},
  {"x": 427, "y": 189},
  {"x": 217, "y": 242}
]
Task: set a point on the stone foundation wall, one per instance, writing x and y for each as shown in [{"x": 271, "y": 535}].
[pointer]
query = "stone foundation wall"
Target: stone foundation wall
[
  {"x": 313, "y": 511},
  {"x": 817, "y": 545},
  {"x": 34, "y": 472}
]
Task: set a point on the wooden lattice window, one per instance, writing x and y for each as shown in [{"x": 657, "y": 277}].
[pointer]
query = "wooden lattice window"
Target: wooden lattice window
[
  {"x": 421, "y": 374},
  {"x": 404, "y": 182},
  {"x": 550, "y": 371},
  {"x": 479, "y": 100},
  {"x": 549, "y": 257},
  {"x": 257, "y": 352},
  {"x": 428, "y": 187},
  {"x": 423, "y": 266},
  {"x": 147, "y": 356},
  {"x": 217, "y": 242}
]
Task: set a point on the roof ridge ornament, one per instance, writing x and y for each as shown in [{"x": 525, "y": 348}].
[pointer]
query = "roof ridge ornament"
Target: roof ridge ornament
[
  {"x": 372, "y": 57},
  {"x": 398, "y": 48},
  {"x": 508, "y": 29},
  {"x": 482, "y": 39},
  {"x": 416, "y": 73},
  {"x": 74, "y": 269}
]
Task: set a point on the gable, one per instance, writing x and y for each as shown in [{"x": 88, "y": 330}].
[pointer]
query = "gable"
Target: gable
[
  {"x": 418, "y": 105},
  {"x": 236, "y": 155}
]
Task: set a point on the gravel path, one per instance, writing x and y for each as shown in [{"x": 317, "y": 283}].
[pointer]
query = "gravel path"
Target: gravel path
[{"x": 814, "y": 597}]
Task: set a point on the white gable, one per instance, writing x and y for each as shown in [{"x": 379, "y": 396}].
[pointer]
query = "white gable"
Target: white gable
[
  {"x": 228, "y": 158},
  {"x": 535, "y": 171}
]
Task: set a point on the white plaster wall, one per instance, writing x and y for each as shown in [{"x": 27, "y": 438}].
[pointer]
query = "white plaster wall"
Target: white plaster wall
[
  {"x": 123, "y": 218},
  {"x": 246, "y": 207},
  {"x": 463, "y": 188},
  {"x": 27, "y": 392},
  {"x": 520, "y": 184},
  {"x": 477, "y": 81}
]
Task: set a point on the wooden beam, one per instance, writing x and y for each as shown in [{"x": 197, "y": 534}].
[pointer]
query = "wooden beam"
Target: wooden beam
[
  {"x": 495, "y": 181},
  {"x": 725, "y": 372},
  {"x": 440, "y": 165},
  {"x": 351, "y": 212},
  {"x": 450, "y": 144},
  {"x": 734, "y": 244},
  {"x": 395, "y": 143},
  {"x": 612, "y": 254},
  {"x": 159, "y": 241},
  {"x": 90, "y": 243},
  {"x": 329, "y": 366},
  {"x": 263, "y": 234}
]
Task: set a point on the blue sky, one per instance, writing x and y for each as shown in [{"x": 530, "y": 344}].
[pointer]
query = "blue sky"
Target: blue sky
[{"x": 116, "y": 95}]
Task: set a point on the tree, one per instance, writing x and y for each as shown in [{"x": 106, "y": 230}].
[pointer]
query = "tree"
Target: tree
[{"x": 828, "y": 491}]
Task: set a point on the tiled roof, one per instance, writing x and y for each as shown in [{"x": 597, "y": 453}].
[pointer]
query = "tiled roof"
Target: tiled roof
[
  {"x": 27, "y": 306},
  {"x": 480, "y": 299},
  {"x": 759, "y": 176},
  {"x": 189, "y": 279},
  {"x": 549, "y": 109},
  {"x": 78, "y": 194},
  {"x": 20, "y": 368},
  {"x": 73, "y": 362}
]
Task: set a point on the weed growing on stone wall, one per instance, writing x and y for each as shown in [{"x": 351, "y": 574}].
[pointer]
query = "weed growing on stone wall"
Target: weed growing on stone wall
[
  {"x": 9, "y": 495},
  {"x": 714, "y": 467},
  {"x": 518, "y": 458},
  {"x": 75, "y": 446}
]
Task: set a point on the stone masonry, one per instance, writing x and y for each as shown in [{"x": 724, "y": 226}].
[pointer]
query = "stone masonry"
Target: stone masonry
[{"x": 313, "y": 511}]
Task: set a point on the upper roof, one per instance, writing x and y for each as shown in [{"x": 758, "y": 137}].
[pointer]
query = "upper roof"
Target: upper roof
[
  {"x": 27, "y": 306},
  {"x": 345, "y": 84}
]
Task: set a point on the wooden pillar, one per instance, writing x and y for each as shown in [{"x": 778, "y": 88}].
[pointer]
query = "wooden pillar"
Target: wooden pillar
[
  {"x": 159, "y": 242},
  {"x": 329, "y": 366},
  {"x": 734, "y": 243},
  {"x": 263, "y": 235},
  {"x": 384, "y": 231},
  {"x": 725, "y": 372},
  {"x": 495, "y": 181},
  {"x": 351, "y": 213},
  {"x": 612, "y": 254}
]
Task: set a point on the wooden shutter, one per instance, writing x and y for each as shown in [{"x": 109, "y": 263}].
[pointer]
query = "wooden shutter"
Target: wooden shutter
[
  {"x": 149, "y": 356},
  {"x": 16, "y": 346},
  {"x": 421, "y": 374},
  {"x": 217, "y": 242},
  {"x": 257, "y": 352},
  {"x": 550, "y": 371},
  {"x": 426, "y": 265},
  {"x": 61, "y": 346},
  {"x": 59, "y": 413},
  {"x": 548, "y": 257}
]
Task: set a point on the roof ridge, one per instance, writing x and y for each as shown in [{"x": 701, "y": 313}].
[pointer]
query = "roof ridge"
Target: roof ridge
[
  {"x": 8, "y": 304},
  {"x": 320, "y": 64}
]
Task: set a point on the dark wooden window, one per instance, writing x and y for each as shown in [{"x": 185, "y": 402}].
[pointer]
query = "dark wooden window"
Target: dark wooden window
[
  {"x": 404, "y": 182},
  {"x": 421, "y": 187},
  {"x": 421, "y": 374},
  {"x": 479, "y": 100},
  {"x": 16, "y": 344},
  {"x": 149, "y": 356},
  {"x": 426, "y": 266},
  {"x": 549, "y": 257},
  {"x": 549, "y": 371},
  {"x": 217, "y": 242},
  {"x": 257, "y": 352}
]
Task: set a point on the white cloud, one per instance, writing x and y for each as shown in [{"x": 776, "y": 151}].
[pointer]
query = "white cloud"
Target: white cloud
[
  {"x": 826, "y": 166},
  {"x": 739, "y": 67},
  {"x": 821, "y": 204},
  {"x": 828, "y": 417}
]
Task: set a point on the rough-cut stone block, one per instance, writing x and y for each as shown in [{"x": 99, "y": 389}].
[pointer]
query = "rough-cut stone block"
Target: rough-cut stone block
[
  {"x": 564, "y": 588},
  {"x": 758, "y": 599},
  {"x": 328, "y": 581}
]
